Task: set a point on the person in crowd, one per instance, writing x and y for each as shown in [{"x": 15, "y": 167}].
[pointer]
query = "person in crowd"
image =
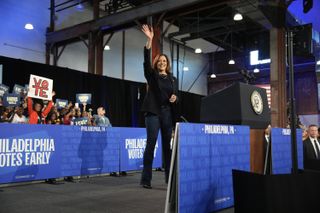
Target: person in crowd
[
  {"x": 100, "y": 119},
  {"x": 311, "y": 146},
  {"x": 267, "y": 150},
  {"x": 157, "y": 106},
  {"x": 7, "y": 114},
  {"x": 305, "y": 134},
  {"x": 53, "y": 118},
  {"x": 36, "y": 112},
  {"x": 18, "y": 117},
  {"x": 69, "y": 116},
  {"x": 37, "y": 115}
]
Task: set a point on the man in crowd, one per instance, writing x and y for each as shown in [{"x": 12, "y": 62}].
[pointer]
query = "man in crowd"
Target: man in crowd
[
  {"x": 311, "y": 146},
  {"x": 100, "y": 119}
]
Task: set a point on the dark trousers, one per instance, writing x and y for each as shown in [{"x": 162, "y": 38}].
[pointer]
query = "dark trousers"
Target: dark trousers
[{"x": 153, "y": 124}]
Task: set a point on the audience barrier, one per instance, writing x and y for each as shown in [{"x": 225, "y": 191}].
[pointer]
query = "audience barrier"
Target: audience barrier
[{"x": 37, "y": 152}]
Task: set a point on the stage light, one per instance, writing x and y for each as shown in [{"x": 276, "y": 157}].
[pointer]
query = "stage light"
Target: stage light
[
  {"x": 198, "y": 50},
  {"x": 28, "y": 26},
  {"x": 318, "y": 62},
  {"x": 185, "y": 68},
  {"x": 231, "y": 61},
  {"x": 107, "y": 47},
  {"x": 237, "y": 17},
  {"x": 213, "y": 76}
]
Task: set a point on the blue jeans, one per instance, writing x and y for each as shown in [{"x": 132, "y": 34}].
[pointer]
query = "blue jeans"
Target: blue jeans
[{"x": 154, "y": 123}]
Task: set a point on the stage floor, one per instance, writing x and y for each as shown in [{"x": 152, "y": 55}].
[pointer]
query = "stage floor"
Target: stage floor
[{"x": 103, "y": 194}]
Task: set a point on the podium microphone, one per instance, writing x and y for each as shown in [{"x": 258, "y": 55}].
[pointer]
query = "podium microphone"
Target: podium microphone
[{"x": 184, "y": 119}]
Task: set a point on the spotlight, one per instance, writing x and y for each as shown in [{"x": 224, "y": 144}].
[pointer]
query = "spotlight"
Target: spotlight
[
  {"x": 185, "y": 68},
  {"x": 318, "y": 62},
  {"x": 198, "y": 50},
  {"x": 28, "y": 26},
  {"x": 237, "y": 17},
  {"x": 256, "y": 70},
  {"x": 231, "y": 61},
  {"x": 107, "y": 47},
  {"x": 213, "y": 76}
]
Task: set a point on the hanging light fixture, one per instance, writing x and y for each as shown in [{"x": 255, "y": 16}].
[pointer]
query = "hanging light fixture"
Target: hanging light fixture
[
  {"x": 198, "y": 50},
  {"x": 256, "y": 70},
  {"x": 231, "y": 61},
  {"x": 213, "y": 75},
  {"x": 28, "y": 26},
  {"x": 237, "y": 17}
]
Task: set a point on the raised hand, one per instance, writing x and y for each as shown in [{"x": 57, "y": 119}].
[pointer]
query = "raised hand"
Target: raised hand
[{"x": 148, "y": 31}]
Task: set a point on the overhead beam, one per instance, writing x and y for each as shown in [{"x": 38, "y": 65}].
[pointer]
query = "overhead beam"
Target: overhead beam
[
  {"x": 195, "y": 29},
  {"x": 118, "y": 19},
  {"x": 213, "y": 33}
]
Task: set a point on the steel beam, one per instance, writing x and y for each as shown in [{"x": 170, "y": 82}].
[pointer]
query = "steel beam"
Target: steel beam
[{"x": 118, "y": 19}]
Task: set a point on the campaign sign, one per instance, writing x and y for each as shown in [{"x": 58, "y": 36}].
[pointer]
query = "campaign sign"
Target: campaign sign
[
  {"x": 83, "y": 98},
  {"x": 3, "y": 89},
  {"x": 281, "y": 150},
  {"x": 40, "y": 87},
  {"x": 207, "y": 154},
  {"x": 61, "y": 103},
  {"x": 132, "y": 142},
  {"x": 80, "y": 121},
  {"x": 11, "y": 100},
  {"x": 17, "y": 89}
]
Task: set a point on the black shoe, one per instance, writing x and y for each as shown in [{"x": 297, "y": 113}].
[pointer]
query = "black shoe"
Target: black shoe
[
  {"x": 69, "y": 179},
  {"x": 123, "y": 173},
  {"x": 159, "y": 169},
  {"x": 114, "y": 174},
  {"x": 147, "y": 186},
  {"x": 51, "y": 181}
]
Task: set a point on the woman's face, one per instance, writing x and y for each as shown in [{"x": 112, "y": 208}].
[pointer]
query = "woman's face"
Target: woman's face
[
  {"x": 53, "y": 116},
  {"x": 162, "y": 63},
  {"x": 37, "y": 107}
]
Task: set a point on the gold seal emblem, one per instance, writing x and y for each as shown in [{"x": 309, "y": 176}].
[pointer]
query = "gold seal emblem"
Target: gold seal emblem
[{"x": 256, "y": 102}]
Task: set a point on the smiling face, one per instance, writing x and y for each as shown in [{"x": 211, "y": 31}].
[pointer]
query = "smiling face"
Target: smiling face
[{"x": 162, "y": 64}]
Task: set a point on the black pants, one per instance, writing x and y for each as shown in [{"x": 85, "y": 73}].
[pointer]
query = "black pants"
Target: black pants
[{"x": 154, "y": 123}]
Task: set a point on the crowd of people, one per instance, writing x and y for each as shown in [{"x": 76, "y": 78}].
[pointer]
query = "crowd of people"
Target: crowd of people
[{"x": 36, "y": 111}]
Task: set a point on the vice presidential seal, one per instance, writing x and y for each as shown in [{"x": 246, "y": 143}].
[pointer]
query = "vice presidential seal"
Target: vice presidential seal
[{"x": 256, "y": 102}]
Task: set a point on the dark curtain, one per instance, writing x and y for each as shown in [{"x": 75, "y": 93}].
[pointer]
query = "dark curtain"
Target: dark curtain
[{"x": 122, "y": 99}]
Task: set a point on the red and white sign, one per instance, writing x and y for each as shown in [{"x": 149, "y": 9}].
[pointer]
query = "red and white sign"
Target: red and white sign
[{"x": 40, "y": 87}]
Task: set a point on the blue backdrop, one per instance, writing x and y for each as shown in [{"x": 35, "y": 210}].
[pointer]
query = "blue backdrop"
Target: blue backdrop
[
  {"x": 206, "y": 156},
  {"x": 35, "y": 152},
  {"x": 281, "y": 150}
]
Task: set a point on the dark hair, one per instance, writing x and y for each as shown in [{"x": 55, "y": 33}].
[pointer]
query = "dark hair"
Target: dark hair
[
  {"x": 156, "y": 59},
  {"x": 312, "y": 125}
]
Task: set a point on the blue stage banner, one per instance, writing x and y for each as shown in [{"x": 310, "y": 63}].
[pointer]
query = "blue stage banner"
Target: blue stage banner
[
  {"x": 29, "y": 152},
  {"x": 132, "y": 142},
  {"x": 281, "y": 150},
  {"x": 87, "y": 150},
  {"x": 206, "y": 156},
  {"x": 37, "y": 152}
]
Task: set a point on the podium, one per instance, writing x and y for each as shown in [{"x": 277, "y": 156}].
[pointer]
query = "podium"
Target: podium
[{"x": 239, "y": 104}]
